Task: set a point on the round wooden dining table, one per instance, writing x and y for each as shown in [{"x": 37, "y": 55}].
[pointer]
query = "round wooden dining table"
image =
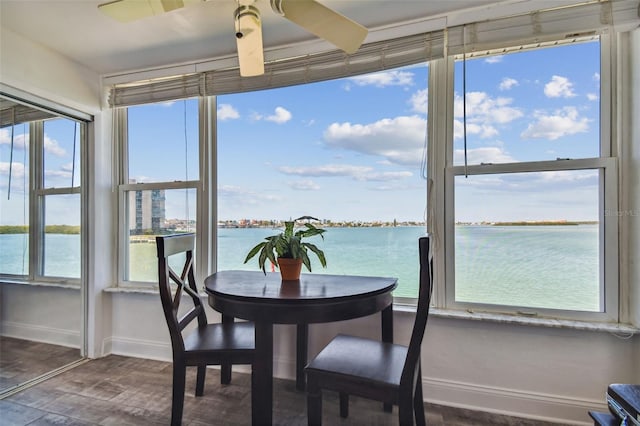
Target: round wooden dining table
[{"x": 315, "y": 298}]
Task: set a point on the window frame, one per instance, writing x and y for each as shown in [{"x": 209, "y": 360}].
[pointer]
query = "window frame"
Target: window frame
[
  {"x": 443, "y": 171},
  {"x": 203, "y": 187},
  {"x": 37, "y": 206}
]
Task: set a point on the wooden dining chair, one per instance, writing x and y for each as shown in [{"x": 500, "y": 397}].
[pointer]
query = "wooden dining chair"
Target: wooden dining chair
[
  {"x": 207, "y": 344},
  {"x": 373, "y": 369}
]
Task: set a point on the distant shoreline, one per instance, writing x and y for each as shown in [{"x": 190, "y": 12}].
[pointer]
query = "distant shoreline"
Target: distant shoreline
[
  {"x": 75, "y": 229},
  {"x": 50, "y": 229},
  {"x": 531, "y": 223}
]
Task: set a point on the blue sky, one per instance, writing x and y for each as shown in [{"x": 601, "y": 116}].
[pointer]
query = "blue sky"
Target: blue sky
[
  {"x": 60, "y": 169},
  {"x": 351, "y": 149}
]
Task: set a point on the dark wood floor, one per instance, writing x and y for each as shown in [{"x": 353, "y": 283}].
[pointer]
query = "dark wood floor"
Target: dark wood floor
[
  {"x": 118, "y": 390},
  {"x": 23, "y": 360}
]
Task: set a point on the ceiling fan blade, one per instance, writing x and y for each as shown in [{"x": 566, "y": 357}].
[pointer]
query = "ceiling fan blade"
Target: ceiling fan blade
[
  {"x": 132, "y": 10},
  {"x": 323, "y": 22},
  {"x": 249, "y": 41}
]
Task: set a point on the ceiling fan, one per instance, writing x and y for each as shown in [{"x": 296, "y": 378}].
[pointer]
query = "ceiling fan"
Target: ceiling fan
[{"x": 314, "y": 17}]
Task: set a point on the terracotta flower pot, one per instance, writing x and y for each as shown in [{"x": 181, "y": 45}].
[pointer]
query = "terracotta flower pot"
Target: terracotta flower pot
[{"x": 290, "y": 268}]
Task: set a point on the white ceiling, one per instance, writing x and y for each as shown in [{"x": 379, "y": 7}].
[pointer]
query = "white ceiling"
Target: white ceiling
[{"x": 201, "y": 31}]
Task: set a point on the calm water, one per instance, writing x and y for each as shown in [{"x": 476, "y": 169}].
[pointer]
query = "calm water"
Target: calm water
[{"x": 531, "y": 266}]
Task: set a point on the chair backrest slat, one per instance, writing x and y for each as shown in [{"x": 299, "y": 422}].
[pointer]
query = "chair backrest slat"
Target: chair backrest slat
[
  {"x": 422, "y": 311},
  {"x": 168, "y": 246}
]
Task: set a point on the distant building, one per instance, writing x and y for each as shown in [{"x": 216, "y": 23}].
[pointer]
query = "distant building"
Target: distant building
[{"x": 147, "y": 211}]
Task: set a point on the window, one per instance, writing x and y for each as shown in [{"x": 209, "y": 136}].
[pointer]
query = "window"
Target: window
[
  {"x": 159, "y": 182},
  {"x": 40, "y": 235},
  {"x": 348, "y": 152},
  {"x": 528, "y": 186}
]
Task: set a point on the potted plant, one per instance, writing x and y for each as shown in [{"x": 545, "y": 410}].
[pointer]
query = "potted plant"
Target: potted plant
[{"x": 287, "y": 249}]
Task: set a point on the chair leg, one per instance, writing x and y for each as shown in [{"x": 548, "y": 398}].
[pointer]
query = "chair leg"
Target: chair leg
[
  {"x": 405, "y": 412},
  {"x": 202, "y": 371},
  {"x": 177, "y": 402},
  {"x": 344, "y": 405},
  {"x": 314, "y": 404},
  {"x": 225, "y": 373},
  {"x": 418, "y": 401}
]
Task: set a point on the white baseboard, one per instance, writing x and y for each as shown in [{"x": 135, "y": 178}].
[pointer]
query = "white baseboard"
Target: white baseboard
[
  {"x": 503, "y": 401},
  {"x": 511, "y": 402},
  {"x": 137, "y": 348},
  {"x": 38, "y": 333}
]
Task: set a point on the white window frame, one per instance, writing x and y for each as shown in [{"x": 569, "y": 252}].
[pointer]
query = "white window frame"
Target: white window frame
[
  {"x": 203, "y": 186},
  {"x": 442, "y": 171},
  {"x": 36, "y": 199}
]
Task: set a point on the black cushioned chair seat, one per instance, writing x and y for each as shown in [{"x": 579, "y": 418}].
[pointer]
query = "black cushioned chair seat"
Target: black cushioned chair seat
[
  {"x": 220, "y": 337},
  {"x": 361, "y": 359}
]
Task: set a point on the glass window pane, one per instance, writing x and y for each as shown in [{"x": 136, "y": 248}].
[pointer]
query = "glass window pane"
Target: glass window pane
[
  {"x": 61, "y": 153},
  {"x": 348, "y": 152},
  {"x": 14, "y": 200},
  {"x": 529, "y": 240},
  {"x": 62, "y": 236},
  {"x": 151, "y": 213},
  {"x": 163, "y": 142},
  {"x": 533, "y": 105}
]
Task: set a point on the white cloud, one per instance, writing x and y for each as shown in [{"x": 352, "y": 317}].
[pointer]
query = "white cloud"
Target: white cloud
[
  {"x": 227, "y": 112},
  {"x": 58, "y": 173},
  {"x": 304, "y": 185},
  {"x": 485, "y": 131},
  {"x": 507, "y": 83},
  {"x": 399, "y": 140},
  {"x": 482, "y": 112},
  {"x": 593, "y": 96},
  {"x": 17, "y": 170},
  {"x": 383, "y": 79},
  {"x": 596, "y": 77},
  {"x": 559, "y": 87},
  {"x": 418, "y": 101},
  {"x": 360, "y": 173},
  {"x": 326, "y": 170},
  {"x": 19, "y": 140},
  {"x": 245, "y": 196},
  {"x": 490, "y": 154},
  {"x": 562, "y": 123},
  {"x": 280, "y": 116},
  {"x": 53, "y": 147},
  {"x": 494, "y": 59}
]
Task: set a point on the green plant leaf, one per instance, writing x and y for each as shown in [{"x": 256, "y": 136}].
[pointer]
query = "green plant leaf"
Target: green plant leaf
[
  {"x": 318, "y": 252},
  {"x": 295, "y": 247},
  {"x": 288, "y": 229},
  {"x": 254, "y": 251},
  {"x": 305, "y": 260},
  {"x": 310, "y": 231}
]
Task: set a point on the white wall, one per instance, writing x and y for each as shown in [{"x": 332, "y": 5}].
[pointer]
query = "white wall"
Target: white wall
[
  {"x": 633, "y": 177},
  {"x": 44, "y": 314},
  {"x": 40, "y": 71}
]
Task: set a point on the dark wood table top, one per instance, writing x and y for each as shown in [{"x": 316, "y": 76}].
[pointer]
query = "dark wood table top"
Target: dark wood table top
[{"x": 255, "y": 296}]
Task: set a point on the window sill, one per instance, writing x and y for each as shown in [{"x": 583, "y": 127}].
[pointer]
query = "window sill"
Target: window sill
[
  {"x": 621, "y": 329},
  {"x": 625, "y": 330},
  {"x": 142, "y": 290},
  {"x": 55, "y": 284},
  {"x": 132, "y": 290}
]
